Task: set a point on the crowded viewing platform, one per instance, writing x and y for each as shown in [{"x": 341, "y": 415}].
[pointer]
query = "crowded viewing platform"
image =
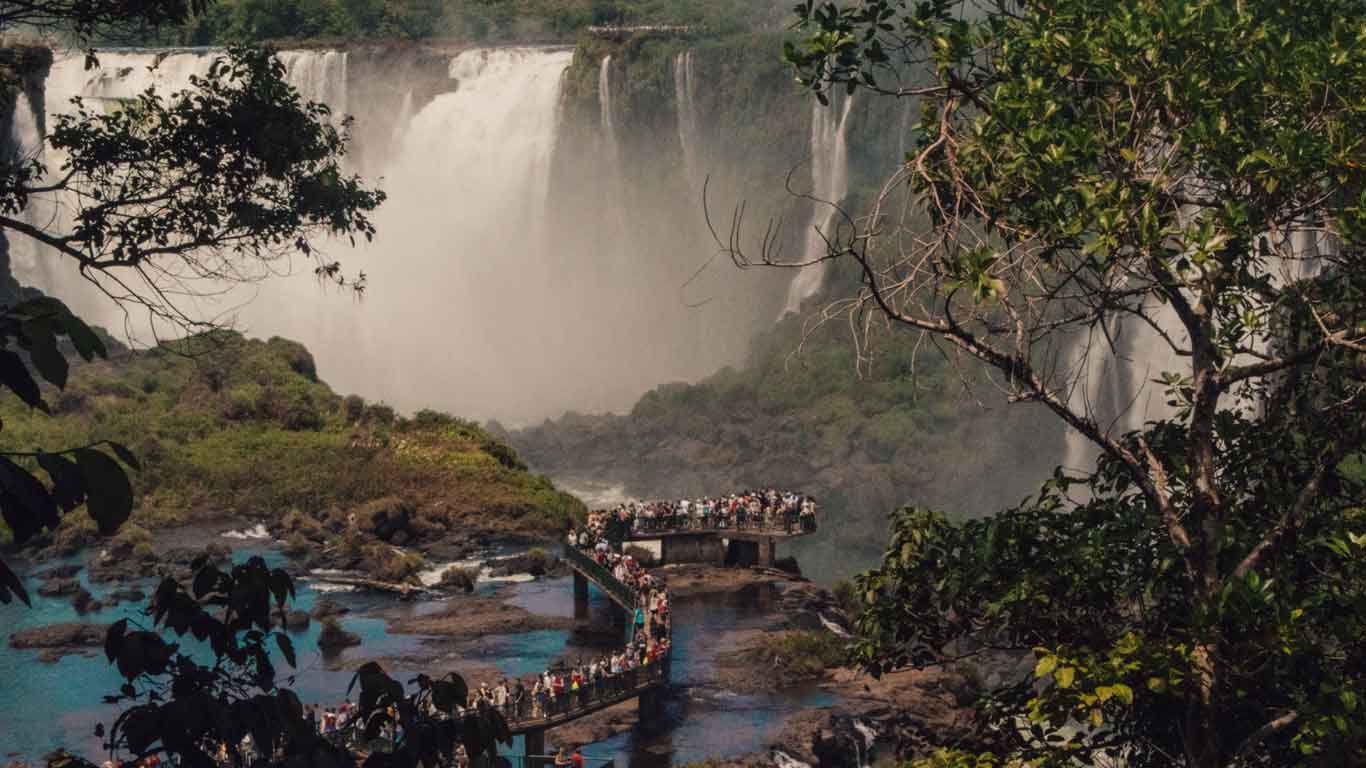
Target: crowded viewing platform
[{"x": 769, "y": 511}]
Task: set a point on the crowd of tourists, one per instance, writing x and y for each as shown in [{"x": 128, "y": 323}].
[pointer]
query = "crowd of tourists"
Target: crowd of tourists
[
  {"x": 566, "y": 687},
  {"x": 761, "y": 510}
]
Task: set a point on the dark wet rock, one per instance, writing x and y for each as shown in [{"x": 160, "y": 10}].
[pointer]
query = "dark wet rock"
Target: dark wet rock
[
  {"x": 457, "y": 579},
  {"x": 64, "y": 571},
  {"x": 328, "y": 607},
  {"x": 59, "y": 588},
  {"x": 535, "y": 563},
  {"x": 84, "y": 602},
  {"x": 71, "y": 634},
  {"x": 593, "y": 635},
  {"x": 333, "y": 636},
  {"x": 126, "y": 595},
  {"x": 296, "y": 620},
  {"x": 807, "y": 620},
  {"x": 788, "y": 565}
]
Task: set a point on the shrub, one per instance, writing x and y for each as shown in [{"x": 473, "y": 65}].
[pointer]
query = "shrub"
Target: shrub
[
  {"x": 846, "y": 597},
  {"x": 296, "y": 355},
  {"x": 302, "y": 415},
  {"x": 459, "y": 578},
  {"x": 802, "y": 654},
  {"x": 131, "y": 540},
  {"x": 379, "y": 413},
  {"x": 353, "y": 408},
  {"x": 297, "y": 545}
]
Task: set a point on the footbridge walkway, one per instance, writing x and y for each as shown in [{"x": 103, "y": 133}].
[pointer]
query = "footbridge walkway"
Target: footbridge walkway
[{"x": 647, "y": 683}]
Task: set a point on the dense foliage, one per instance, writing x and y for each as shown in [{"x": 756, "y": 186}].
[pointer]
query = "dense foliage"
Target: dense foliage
[
  {"x": 182, "y": 710},
  {"x": 241, "y": 428},
  {"x": 214, "y": 183},
  {"x": 1180, "y": 171},
  {"x": 479, "y": 20}
]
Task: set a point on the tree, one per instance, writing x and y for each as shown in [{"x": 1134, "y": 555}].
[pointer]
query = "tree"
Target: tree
[
  {"x": 1185, "y": 171},
  {"x": 168, "y": 195},
  {"x": 185, "y": 710}
]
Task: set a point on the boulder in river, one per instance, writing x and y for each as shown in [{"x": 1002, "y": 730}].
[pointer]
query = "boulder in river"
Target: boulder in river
[
  {"x": 127, "y": 595},
  {"x": 84, "y": 602},
  {"x": 59, "y": 571},
  {"x": 332, "y": 636},
  {"x": 296, "y": 620},
  {"x": 59, "y": 588},
  {"x": 328, "y": 607},
  {"x": 69, "y": 636}
]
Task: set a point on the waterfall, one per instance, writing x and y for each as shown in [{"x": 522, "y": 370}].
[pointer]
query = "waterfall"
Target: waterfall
[
  {"x": 319, "y": 76},
  {"x": 26, "y": 256},
  {"x": 829, "y": 184},
  {"x": 869, "y": 736},
  {"x": 605, "y": 99},
  {"x": 487, "y": 295},
  {"x": 685, "y": 108}
]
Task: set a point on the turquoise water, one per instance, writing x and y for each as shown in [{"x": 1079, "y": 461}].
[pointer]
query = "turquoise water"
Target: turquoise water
[{"x": 50, "y": 705}]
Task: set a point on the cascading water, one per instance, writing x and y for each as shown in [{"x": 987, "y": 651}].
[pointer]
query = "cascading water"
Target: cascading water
[
  {"x": 605, "y": 99},
  {"x": 685, "y": 107},
  {"x": 26, "y": 261},
  {"x": 123, "y": 75},
  {"x": 319, "y": 76},
  {"x": 485, "y": 283},
  {"x": 830, "y": 183}
]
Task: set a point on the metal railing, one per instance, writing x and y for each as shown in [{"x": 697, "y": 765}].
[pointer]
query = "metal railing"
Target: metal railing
[
  {"x": 590, "y": 696},
  {"x": 680, "y": 523},
  {"x": 623, "y": 593}
]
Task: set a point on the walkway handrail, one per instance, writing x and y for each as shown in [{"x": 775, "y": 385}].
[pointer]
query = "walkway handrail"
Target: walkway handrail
[
  {"x": 621, "y": 592},
  {"x": 591, "y": 697}
]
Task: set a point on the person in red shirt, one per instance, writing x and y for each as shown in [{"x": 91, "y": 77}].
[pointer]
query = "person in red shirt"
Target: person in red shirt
[{"x": 576, "y": 759}]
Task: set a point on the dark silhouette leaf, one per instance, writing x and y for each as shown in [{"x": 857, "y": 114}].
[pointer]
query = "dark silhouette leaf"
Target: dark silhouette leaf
[
  {"x": 125, "y": 455},
  {"x": 68, "y": 484},
  {"x": 286, "y": 647},
  {"x": 14, "y": 374},
  {"x": 24, "y": 502},
  {"x": 109, "y": 496},
  {"x": 11, "y": 585}
]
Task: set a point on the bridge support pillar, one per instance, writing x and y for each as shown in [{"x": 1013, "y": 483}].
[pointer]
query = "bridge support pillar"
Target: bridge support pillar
[
  {"x": 651, "y": 702},
  {"x": 580, "y": 596},
  {"x": 535, "y": 746},
  {"x": 766, "y": 549}
]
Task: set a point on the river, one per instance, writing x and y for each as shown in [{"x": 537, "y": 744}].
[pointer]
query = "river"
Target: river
[{"x": 47, "y": 705}]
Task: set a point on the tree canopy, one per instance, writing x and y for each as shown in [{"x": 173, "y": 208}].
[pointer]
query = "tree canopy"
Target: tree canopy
[
  {"x": 1088, "y": 172},
  {"x": 167, "y": 196}
]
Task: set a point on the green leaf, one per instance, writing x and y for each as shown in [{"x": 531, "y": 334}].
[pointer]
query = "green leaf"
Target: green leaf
[
  {"x": 109, "y": 495},
  {"x": 1065, "y": 676},
  {"x": 1046, "y": 664}
]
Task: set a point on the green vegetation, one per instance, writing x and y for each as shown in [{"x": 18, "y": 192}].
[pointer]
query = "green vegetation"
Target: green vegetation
[
  {"x": 1186, "y": 173},
  {"x": 904, "y": 430},
  {"x": 239, "y": 21},
  {"x": 242, "y": 429},
  {"x": 800, "y": 655}
]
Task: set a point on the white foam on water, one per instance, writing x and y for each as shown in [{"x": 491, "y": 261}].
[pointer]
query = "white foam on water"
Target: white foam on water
[
  {"x": 784, "y": 760},
  {"x": 833, "y": 627},
  {"x": 257, "y": 531}
]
